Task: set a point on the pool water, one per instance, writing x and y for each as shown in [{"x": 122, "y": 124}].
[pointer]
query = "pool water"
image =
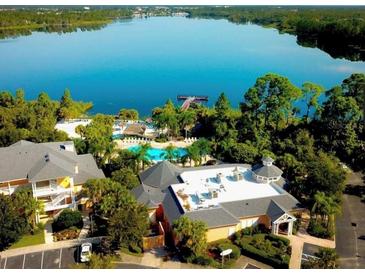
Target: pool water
[{"x": 158, "y": 154}]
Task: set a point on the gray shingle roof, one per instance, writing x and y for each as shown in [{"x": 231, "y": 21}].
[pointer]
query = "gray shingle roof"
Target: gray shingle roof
[
  {"x": 272, "y": 205},
  {"x": 213, "y": 217},
  {"x": 27, "y": 160},
  {"x": 267, "y": 171},
  {"x": 149, "y": 196},
  {"x": 160, "y": 175},
  {"x": 274, "y": 211}
]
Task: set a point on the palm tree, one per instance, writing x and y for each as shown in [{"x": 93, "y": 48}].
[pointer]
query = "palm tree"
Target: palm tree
[
  {"x": 193, "y": 155},
  {"x": 187, "y": 119},
  {"x": 141, "y": 156},
  {"x": 170, "y": 153},
  {"x": 29, "y": 206},
  {"x": 327, "y": 258}
]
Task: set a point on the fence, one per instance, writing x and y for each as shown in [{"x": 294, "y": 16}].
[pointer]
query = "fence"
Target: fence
[{"x": 155, "y": 241}]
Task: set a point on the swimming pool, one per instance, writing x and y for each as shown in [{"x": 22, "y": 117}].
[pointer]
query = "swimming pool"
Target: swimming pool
[{"x": 157, "y": 154}]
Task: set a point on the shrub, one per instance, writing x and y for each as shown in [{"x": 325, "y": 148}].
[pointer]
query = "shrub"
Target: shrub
[
  {"x": 276, "y": 238},
  {"x": 203, "y": 260},
  {"x": 133, "y": 247},
  {"x": 67, "y": 219},
  {"x": 260, "y": 255},
  {"x": 236, "y": 253},
  {"x": 317, "y": 229}
]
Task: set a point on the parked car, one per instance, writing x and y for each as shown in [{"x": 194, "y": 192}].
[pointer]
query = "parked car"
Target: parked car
[{"x": 85, "y": 252}]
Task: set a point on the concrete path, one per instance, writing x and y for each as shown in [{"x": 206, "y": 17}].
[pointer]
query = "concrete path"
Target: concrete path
[
  {"x": 48, "y": 233},
  {"x": 86, "y": 228},
  {"x": 297, "y": 243},
  {"x": 43, "y": 247}
]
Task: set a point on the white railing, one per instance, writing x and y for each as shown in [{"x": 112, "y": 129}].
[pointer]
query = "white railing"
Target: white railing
[
  {"x": 7, "y": 190},
  {"x": 56, "y": 203},
  {"x": 50, "y": 190}
]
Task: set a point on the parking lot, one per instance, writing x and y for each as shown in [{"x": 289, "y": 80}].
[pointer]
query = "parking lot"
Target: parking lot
[{"x": 50, "y": 259}]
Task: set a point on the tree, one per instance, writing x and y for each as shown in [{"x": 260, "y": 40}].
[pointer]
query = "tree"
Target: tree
[
  {"x": 170, "y": 153},
  {"x": 95, "y": 189},
  {"x": 187, "y": 120},
  {"x": 125, "y": 177},
  {"x": 192, "y": 237},
  {"x": 67, "y": 219},
  {"x": 326, "y": 259},
  {"x": 141, "y": 156},
  {"x": 128, "y": 225},
  {"x": 311, "y": 93},
  {"x": 324, "y": 174},
  {"x": 166, "y": 117},
  {"x": 69, "y": 109},
  {"x": 243, "y": 153},
  {"x": 268, "y": 104},
  {"x": 28, "y": 206},
  {"x": 124, "y": 159},
  {"x": 193, "y": 153},
  {"x": 12, "y": 224},
  {"x": 98, "y": 138},
  {"x": 128, "y": 114}
]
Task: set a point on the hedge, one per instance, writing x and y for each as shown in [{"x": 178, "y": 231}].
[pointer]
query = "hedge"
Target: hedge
[
  {"x": 276, "y": 238},
  {"x": 68, "y": 218},
  {"x": 262, "y": 256}
]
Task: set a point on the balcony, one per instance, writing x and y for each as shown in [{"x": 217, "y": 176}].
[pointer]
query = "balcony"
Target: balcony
[
  {"x": 50, "y": 190},
  {"x": 7, "y": 190}
]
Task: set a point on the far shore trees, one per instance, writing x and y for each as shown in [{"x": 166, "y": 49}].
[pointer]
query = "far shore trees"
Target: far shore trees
[{"x": 128, "y": 114}]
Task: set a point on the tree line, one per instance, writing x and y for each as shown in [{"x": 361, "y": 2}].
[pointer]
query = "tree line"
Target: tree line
[
  {"x": 16, "y": 22},
  {"x": 339, "y": 31}
]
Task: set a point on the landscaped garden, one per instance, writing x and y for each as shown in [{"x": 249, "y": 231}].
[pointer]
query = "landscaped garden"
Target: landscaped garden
[
  {"x": 267, "y": 248},
  {"x": 68, "y": 225}
]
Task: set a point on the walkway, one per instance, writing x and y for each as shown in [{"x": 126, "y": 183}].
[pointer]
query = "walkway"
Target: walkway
[
  {"x": 48, "y": 233},
  {"x": 43, "y": 247},
  {"x": 86, "y": 227},
  {"x": 297, "y": 243}
]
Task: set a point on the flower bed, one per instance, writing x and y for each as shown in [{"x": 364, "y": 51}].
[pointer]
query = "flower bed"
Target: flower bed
[{"x": 67, "y": 234}]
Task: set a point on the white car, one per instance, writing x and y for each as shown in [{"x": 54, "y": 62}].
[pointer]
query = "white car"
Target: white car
[{"x": 85, "y": 252}]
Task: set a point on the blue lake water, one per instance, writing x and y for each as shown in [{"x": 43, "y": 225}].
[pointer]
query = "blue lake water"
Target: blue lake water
[{"x": 140, "y": 63}]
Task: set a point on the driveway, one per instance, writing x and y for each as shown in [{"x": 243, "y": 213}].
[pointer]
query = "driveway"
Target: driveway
[
  {"x": 350, "y": 227},
  {"x": 49, "y": 259}
]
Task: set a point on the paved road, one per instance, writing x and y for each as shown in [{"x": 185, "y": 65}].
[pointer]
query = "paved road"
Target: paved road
[
  {"x": 132, "y": 266},
  {"x": 349, "y": 245},
  {"x": 50, "y": 259}
]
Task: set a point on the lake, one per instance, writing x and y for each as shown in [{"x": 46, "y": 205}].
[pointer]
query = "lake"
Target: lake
[{"x": 140, "y": 63}]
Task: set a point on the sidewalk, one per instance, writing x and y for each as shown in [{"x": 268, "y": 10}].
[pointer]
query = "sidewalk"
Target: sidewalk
[
  {"x": 43, "y": 247},
  {"x": 86, "y": 227},
  {"x": 297, "y": 242},
  {"x": 48, "y": 233}
]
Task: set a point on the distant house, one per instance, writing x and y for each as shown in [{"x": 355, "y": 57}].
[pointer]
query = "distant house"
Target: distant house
[
  {"x": 54, "y": 172},
  {"x": 227, "y": 197}
]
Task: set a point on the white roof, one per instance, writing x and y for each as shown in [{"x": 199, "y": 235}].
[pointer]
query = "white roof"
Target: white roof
[{"x": 199, "y": 185}]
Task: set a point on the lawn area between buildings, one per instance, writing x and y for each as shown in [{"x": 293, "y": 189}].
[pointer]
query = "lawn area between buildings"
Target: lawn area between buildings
[{"x": 29, "y": 239}]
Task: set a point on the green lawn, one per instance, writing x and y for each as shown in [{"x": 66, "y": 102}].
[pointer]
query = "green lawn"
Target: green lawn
[{"x": 28, "y": 239}]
